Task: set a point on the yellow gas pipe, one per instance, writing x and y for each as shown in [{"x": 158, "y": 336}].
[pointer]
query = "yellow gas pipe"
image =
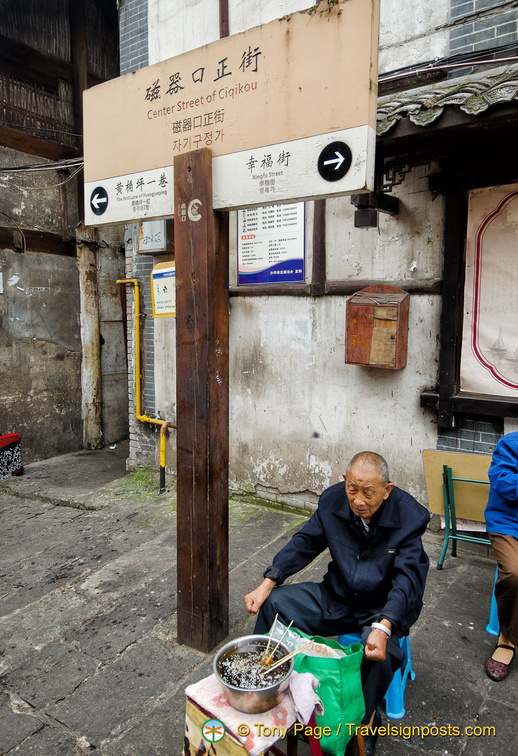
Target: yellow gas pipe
[{"x": 164, "y": 425}]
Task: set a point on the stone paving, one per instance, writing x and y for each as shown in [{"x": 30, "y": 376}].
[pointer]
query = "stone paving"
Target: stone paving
[{"x": 88, "y": 656}]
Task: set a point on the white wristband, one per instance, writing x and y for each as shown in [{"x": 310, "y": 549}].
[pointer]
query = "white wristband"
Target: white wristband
[{"x": 379, "y": 626}]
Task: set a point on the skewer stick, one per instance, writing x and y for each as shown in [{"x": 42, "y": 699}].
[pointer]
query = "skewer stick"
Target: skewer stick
[
  {"x": 281, "y": 638},
  {"x": 285, "y": 658},
  {"x": 270, "y": 637}
]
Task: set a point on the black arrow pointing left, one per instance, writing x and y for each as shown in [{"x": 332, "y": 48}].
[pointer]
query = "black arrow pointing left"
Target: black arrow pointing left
[{"x": 99, "y": 200}]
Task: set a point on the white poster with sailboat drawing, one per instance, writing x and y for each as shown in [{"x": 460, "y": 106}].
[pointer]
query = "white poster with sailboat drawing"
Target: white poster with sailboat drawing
[{"x": 489, "y": 362}]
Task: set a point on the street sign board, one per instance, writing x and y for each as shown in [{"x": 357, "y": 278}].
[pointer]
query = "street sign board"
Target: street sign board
[
  {"x": 270, "y": 244},
  {"x": 163, "y": 290},
  {"x": 310, "y": 75}
]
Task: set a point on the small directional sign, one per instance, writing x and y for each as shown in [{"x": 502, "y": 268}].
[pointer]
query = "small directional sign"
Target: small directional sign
[
  {"x": 99, "y": 200},
  {"x": 334, "y": 161}
]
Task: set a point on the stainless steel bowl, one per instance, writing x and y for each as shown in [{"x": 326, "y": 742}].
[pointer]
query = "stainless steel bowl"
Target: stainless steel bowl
[{"x": 257, "y": 700}]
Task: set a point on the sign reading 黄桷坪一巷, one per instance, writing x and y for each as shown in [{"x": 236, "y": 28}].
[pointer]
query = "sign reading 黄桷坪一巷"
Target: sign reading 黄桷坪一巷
[{"x": 273, "y": 116}]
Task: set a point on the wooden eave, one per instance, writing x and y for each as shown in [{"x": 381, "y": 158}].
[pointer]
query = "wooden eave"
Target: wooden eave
[{"x": 454, "y": 115}]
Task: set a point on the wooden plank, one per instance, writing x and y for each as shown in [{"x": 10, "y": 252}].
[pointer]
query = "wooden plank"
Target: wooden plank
[
  {"x": 470, "y": 498},
  {"x": 202, "y": 376},
  {"x": 29, "y": 59},
  {"x": 336, "y": 288},
  {"x": 452, "y": 298},
  {"x": 29, "y": 75},
  {"x": 26, "y": 240},
  {"x": 223, "y": 19},
  {"x": 195, "y": 718},
  {"x": 318, "y": 268},
  {"x": 78, "y": 52},
  {"x": 23, "y": 142},
  {"x": 474, "y": 404},
  {"x": 21, "y": 54},
  {"x": 78, "y": 41},
  {"x": 110, "y": 14}
]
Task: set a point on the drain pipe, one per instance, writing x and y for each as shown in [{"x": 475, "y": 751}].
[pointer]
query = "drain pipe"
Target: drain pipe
[{"x": 164, "y": 425}]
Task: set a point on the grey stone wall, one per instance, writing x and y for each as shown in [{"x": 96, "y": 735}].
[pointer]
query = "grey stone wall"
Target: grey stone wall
[{"x": 133, "y": 35}]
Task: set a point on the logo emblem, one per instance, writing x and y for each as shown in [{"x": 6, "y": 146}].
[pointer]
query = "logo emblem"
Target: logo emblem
[
  {"x": 213, "y": 730},
  {"x": 193, "y": 210}
]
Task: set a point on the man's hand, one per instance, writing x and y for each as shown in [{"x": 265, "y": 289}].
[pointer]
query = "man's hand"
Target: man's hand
[
  {"x": 376, "y": 646},
  {"x": 255, "y": 599}
]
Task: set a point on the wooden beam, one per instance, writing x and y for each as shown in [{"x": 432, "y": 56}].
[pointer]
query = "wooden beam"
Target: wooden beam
[
  {"x": 26, "y": 240},
  {"x": 336, "y": 288},
  {"x": 223, "y": 19},
  {"x": 455, "y": 220},
  {"x": 23, "y": 142},
  {"x": 78, "y": 56},
  {"x": 381, "y": 201},
  {"x": 109, "y": 12},
  {"x": 29, "y": 76},
  {"x": 26, "y": 59},
  {"x": 202, "y": 403},
  {"x": 29, "y": 58},
  {"x": 318, "y": 269},
  {"x": 473, "y": 404}
]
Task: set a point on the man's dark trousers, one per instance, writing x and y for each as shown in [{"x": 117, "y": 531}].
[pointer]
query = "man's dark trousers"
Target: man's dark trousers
[{"x": 302, "y": 603}]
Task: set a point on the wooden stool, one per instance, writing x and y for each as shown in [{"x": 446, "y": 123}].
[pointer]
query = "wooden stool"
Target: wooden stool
[
  {"x": 314, "y": 744},
  {"x": 195, "y": 716}
]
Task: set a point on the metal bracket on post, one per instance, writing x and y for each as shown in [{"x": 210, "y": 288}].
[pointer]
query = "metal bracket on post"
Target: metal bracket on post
[{"x": 368, "y": 205}]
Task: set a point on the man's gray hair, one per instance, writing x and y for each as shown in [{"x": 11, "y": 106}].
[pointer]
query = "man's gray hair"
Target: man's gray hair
[{"x": 372, "y": 458}]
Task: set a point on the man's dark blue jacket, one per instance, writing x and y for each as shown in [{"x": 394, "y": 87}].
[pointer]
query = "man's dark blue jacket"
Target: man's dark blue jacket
[{"x": 383, "y": 572}]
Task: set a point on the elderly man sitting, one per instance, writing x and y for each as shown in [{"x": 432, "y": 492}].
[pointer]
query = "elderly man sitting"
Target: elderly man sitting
[{"x": 375, "y": 579}]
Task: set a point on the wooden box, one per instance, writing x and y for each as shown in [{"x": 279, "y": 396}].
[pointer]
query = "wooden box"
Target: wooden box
[{"x": 376, "y": 321}]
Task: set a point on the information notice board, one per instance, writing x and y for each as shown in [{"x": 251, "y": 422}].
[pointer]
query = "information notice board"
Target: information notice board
[
  {"x": 270, "y": 243},
  {"x": 163, "y": 290}
]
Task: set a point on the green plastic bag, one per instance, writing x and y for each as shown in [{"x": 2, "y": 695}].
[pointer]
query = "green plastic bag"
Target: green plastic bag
[{"x": 340, "y": 691}]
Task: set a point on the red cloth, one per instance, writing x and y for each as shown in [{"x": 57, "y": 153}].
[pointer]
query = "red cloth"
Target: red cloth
[
  {"x": 10, "y": 455},
  {"x": 9, "y": 438}
]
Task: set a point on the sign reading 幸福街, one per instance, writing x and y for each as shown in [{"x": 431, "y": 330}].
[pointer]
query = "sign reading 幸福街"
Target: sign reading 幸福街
[{"x": 290, "y": 104}]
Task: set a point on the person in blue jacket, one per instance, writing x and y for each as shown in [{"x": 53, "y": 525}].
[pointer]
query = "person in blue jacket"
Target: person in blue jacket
[
  {"x": 501, "y": 517},
  {"x": 375, "y": 579}
]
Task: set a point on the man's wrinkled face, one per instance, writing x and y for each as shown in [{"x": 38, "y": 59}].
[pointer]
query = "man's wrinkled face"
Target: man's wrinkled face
[{"x": 365, "y": 490}]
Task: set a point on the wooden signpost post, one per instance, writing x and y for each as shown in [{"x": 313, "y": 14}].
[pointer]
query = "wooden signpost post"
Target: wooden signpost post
[
  {"x": 274, "y": 117},
  {"x": 201, "y": 253}
]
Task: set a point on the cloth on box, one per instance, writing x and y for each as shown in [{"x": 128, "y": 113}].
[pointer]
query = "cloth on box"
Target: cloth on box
[{"x": 298, "y": 702}]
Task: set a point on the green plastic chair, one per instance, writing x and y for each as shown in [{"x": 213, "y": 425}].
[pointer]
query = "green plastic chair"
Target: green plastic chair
[{"x": 450, "y": 518}]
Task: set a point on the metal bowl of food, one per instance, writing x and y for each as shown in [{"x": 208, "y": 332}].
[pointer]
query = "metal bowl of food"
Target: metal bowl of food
[{"x": 239, "y": 669}]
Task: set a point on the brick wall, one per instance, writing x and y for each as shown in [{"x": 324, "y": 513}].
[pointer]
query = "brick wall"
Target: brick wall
[
  {"x": 133, "y": 35},
  {"x": 482, "y": 25},
  {"x": 133, "y": 30},
  {"x": 143, "y": 447},
  {"x": 471, "y": 436}
]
